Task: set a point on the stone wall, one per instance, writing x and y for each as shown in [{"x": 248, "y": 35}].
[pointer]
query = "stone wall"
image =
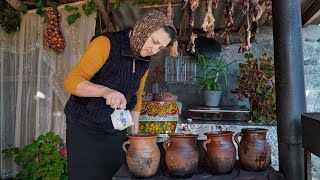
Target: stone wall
[{"x": 190, "y": 94}]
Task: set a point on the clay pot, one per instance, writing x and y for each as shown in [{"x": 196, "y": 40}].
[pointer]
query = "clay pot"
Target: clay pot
[
  {"x": 254, "y": 150},
  {"x": 182, "y": 155},
  {"x": 143, "y": 155},
  {"x": 220, "y": 152}
]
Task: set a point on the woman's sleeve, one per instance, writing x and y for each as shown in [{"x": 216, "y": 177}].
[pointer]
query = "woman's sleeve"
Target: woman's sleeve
[
  {"x": 140, "y": 91},
  {"x": 90, "y": 63}
]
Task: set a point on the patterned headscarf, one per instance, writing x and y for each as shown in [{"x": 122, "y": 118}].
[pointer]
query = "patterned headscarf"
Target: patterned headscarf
[{"x": 147, "y": 24}]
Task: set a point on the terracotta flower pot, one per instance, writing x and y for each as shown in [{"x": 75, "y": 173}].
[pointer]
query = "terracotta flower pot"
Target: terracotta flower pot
[
  {"x": 143, "y": 154},
  {"x": 220, "y": 152},
  {"x": 254, "y": 149},
  {"x": 182, "y": 155}
]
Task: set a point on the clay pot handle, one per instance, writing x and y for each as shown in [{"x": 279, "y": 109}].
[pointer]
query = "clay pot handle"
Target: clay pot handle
[
  {"x": 124, "y": 145},
  {"x": 236, "y": 138},
  {"x": 166, "y": 144},
  {"x": 204, "y": 144}
]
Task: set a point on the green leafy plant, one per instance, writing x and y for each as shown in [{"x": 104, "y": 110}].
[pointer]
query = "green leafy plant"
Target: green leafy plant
[
  {"x": 257, "y": 83},
  {"x": 40, "y": 4},
  {"x": 214, "y": 72},
  {"x": 9, "y": 18},
  {"x": 44, "y": 158},
  {"x": 88, "y": 8}
]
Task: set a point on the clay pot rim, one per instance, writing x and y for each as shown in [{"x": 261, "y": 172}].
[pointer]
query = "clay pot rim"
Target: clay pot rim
[
  {"x": 254, "y": 130},
  {"x": 178, "y": 135},
  {"x": 144, "y": 135},
  {"x": 219, "y": 133}
]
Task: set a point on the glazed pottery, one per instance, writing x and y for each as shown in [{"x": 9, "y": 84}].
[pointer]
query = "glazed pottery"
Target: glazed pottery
[
  {"x": 182, "y": 155},
  {"x": 254, "y": 150},
  {"x": 220, "y": 152},
  {"x": 143, "y": 154}
]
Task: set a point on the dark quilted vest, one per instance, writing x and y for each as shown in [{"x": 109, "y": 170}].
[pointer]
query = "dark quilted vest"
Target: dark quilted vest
[{"x": 117, "y": 73}]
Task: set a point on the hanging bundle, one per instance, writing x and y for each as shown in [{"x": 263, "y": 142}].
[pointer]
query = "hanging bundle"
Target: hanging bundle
[
  {"x": 193, "y": 5},
  {"x": 228, "y": 15},
  {"x": 54, "y": 38},
  {"x": 208, "y": 21},
  {"x": 255, "y": 13}
]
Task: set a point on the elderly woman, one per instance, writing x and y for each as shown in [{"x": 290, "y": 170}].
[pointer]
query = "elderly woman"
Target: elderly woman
[{"x": 110, "y": 75}]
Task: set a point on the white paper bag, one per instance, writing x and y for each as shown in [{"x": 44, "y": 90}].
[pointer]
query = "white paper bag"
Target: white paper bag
[{"x": 121, "y": 119}]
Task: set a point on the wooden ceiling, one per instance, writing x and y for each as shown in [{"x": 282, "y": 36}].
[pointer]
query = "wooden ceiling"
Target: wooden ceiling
[{"x": 310, "y": 12}]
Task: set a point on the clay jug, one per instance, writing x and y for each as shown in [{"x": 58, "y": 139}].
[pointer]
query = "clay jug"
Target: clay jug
[
  {"x": 220, "y": 152},
  {"x": 254, "y": 150},
  {"x": 182, "y": 155},
  {"x": 143, "y": 154}
]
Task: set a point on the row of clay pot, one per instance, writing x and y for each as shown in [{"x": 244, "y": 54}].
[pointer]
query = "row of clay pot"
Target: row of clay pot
[
  {"x": 254, "y": 151},
  {"x": 182, "y": 155}
]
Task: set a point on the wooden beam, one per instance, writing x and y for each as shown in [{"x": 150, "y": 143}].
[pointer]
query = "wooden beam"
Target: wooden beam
[
  {"x": 32, "y": 2},
  {"x": 311, "y": 13},
  {"x": 113, "y": 1},
  {"x": 103, "y": 11},
  {"x": 159, "y": 5},
  {"x": 14, "y": 3},
  {"x": 62, "y": 6},
  {"x": 107, "y": 8}
]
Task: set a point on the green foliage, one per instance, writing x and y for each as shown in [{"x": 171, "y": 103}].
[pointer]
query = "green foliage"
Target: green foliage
[
  {"x": 73, "y": 17},
  {"x": 23, "y": 9},
  {"x": 214, "y": 72},
  {"x": 116, "y": 5},
  {"x": 9, "y": 18},
  {"x": 40, "y": 4},
  {"x": 88, "y": 8},
  {"x": 70, "y": 8},
  {"x": 44, "y": 158},
  {"x": 257, "y": 83}
]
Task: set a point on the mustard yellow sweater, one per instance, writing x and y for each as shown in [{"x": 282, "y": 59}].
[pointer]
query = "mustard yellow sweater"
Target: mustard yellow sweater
[{"x": 97, "y": 51}]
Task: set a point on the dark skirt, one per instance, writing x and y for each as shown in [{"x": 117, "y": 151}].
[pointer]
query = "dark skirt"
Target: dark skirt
[{"x": 92, "y": 154}]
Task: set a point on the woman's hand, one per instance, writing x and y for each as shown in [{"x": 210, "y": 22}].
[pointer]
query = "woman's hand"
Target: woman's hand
[{"x": 114, "y": 98}]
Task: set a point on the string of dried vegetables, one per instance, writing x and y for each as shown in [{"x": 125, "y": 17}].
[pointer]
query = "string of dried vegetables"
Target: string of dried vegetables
[
  {"x": 228, "y": 15},
  {"x": 208, "y": 21}
]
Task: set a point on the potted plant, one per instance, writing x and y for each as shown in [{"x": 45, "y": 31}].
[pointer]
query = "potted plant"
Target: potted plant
[
  {"x": 44, "y": 158},
  {"x": 257, "y": 83},
  {"x": 156, "y": 77},
  {"x": 214, "y": 75}
]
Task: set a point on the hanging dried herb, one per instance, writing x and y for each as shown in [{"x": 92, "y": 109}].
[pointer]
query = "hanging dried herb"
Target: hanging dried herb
[{"x": 9, "y": 18}]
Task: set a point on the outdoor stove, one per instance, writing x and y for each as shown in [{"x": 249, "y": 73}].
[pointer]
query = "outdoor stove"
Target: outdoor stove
[{"x": 221, "y": 113}]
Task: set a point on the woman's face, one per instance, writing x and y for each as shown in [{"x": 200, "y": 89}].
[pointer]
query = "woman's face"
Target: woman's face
[{"x": 157, "y": 41}]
